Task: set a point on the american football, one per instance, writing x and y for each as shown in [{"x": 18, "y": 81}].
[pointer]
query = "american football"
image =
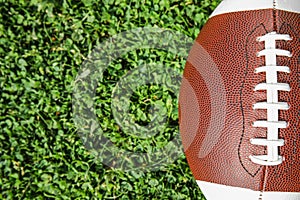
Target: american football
[{"x": 239, "y": 103}]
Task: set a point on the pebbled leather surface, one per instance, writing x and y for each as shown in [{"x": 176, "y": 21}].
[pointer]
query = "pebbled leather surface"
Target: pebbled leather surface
[{"x": 229, "y": 41}]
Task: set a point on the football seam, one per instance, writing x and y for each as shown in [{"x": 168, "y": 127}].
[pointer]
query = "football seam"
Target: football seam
[
  {"x": 298, "y": 38},
  {"x": 262, "y": 187},
  {"x": 241, "y": 102},
  {"x": 275, "y": 15}
]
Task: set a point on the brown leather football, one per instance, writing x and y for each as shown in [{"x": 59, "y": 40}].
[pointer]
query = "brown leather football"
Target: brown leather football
[{"x": 239, "y": 104}]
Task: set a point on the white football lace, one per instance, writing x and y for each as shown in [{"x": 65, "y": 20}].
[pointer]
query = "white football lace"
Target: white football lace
[{"x": 271, "y": 105}]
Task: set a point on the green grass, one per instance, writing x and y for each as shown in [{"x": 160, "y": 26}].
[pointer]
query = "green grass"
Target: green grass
[{"x": 42, "y": 47}]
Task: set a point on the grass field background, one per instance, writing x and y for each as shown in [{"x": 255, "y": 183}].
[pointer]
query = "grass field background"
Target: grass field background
[{"x": 42, "y": 46}]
